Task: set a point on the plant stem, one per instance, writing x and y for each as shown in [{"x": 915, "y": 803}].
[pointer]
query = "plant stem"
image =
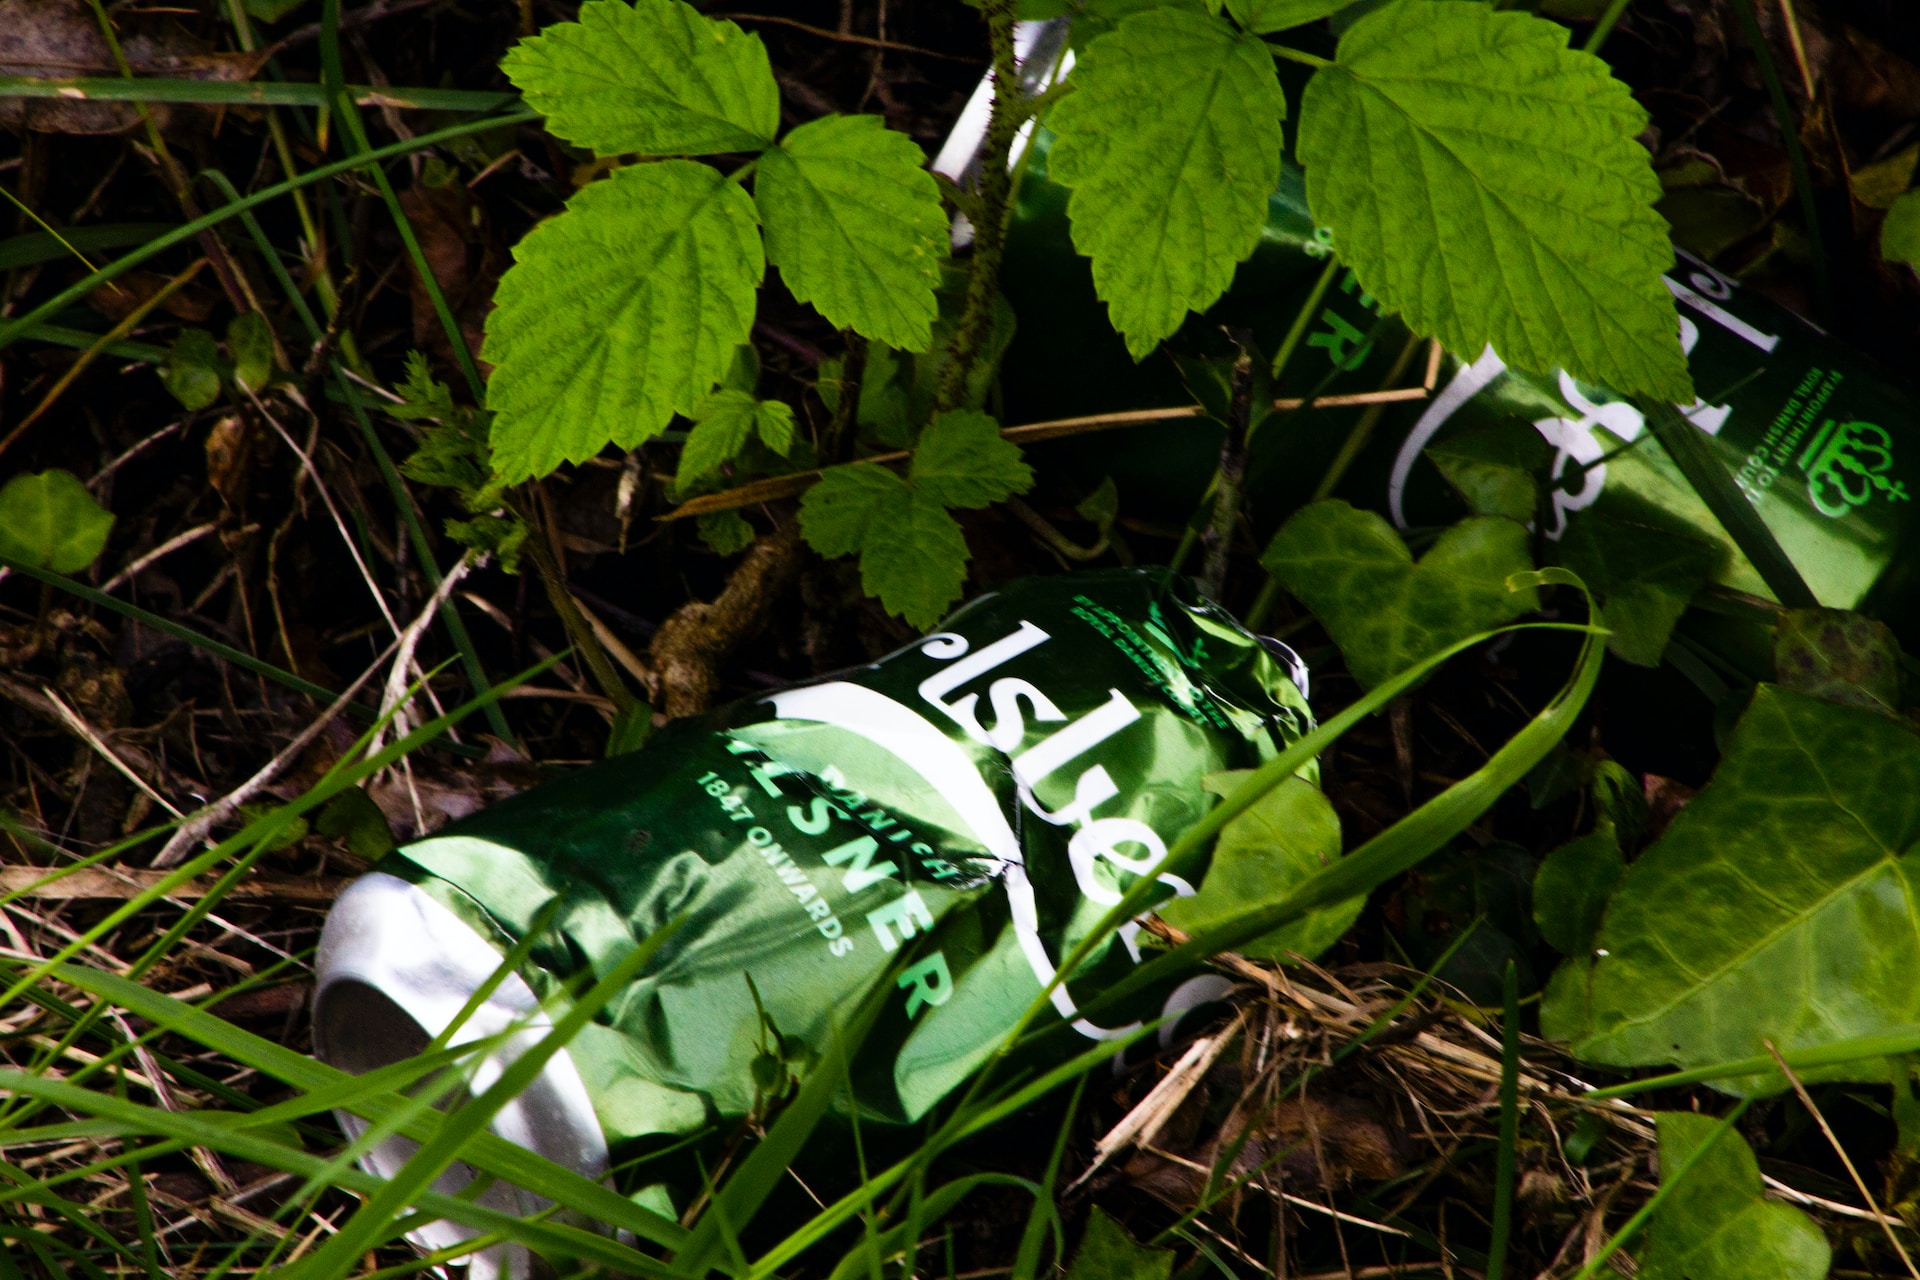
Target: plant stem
[
  {"x": 1304, "y": 317},
  {"x": 996, "y": 186},
  {"x": 1230, "y": 476},
  {"x": 1604, "y": 28}
]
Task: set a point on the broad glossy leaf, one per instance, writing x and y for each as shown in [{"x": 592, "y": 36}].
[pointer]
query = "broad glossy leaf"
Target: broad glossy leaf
[
  {"x": 854, "y": 222},
  {"x": 1716, "y": 1223},
  {"x": 1107, "y": 1252},
  {"x": 1383, "y": 610},
  {"x": 1838, "y": 655},
  {"x": 1485, "y": 181},
  {"x": 1289, "y": 834},
  {"x": 656, "y": 78},
  {"x": 1644, "y": 578},
  {"x": 1780, "y": 905},
  {"x": 1495, "y": 468},
  {"x": 1571, "y": 888},
  {"x": 50, "y": 521},
  {"x": 1171, "y": 143},
  {"x": 619, "y": 313}
]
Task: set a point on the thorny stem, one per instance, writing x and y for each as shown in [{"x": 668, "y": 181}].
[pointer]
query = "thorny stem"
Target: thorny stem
[
  {"x": 996, "y": 187},
  {"x": 1228, "y": 479}
]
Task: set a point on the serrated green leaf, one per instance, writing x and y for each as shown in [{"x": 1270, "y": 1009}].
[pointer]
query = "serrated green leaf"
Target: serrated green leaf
[
  {"x": 1483, "y": 179},
  {"x": 1780, "y": 905},
  {"x": 619, "y": 313},
  {"x": 1571, "y": 888},
  {"x": 50, "y": 521},
  {"x": 962, "y": 460},
  {"x": 192, "y": 371},
  {"x": 1900, "y": 233},
  {"x": 1289, "y": 833},
  {"x": 1383, "y": 610},
  {"x": 250, "y": 343},
  {"x": 1643, "y": 577},
  {"x": 1171, "y": 143},
  {"x": 1107, "y": 1252},
  {"x": 855, "y": 225},
  {"x": 915, "y": 562},
  {"x": 656, "y": 78},
  {"x": 1716, "y": 1223},
  {"x": 837, "y": 513},
  {"x": 1277, "y": 15},
  {"x": 722, "y": 425},
  {"x": 727, "y": 532},
  {"x": 1839, "y": 655},
  {"x": 421, "y": 394}
]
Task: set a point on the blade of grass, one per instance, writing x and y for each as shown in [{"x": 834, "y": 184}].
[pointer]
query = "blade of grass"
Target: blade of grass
[
  {"x": 1690, "y": 450},
  {"x": 239, "y": 93},
  {"x": 63, "y": 336},
  {"x": 1796, "y": 156},
  {"x": 1509, "y": 1122},
  {"x": 935, "y": 1205},
  {"x": 1026, "y": 1260},
  {"x": 45, "y": 246},
  {"x": 13, "y": 330},
  {"x": 1838, "y": 1053}
]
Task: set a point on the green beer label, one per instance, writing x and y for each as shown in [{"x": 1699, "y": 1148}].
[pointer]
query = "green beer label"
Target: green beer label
[{"x": 958, "y": 814}]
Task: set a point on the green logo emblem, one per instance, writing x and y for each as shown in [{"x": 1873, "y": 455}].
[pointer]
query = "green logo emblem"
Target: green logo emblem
[{"x": 1846, "y": 464}]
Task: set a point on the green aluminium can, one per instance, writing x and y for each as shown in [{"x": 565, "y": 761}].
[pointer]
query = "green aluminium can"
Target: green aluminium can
[
  {"x": 1823, "y": 441},
  {"x": 951, "y": 820}
]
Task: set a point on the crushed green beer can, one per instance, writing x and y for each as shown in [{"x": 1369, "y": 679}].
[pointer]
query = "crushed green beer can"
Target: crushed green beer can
[
  {"x": 951, "y": 820},
  {"x": 1823, "y": 440}
]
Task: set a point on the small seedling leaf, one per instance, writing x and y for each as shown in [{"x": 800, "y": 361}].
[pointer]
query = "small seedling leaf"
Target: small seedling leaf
[
  {"x": 656, "y": 78},
  {"x": 1644, "y": 578},
  {"x": 854, "y": 223},
  {"x": 192, "y": 371},
  {"x": 1716, "y": 1223},
  {"x": 1288, "y": 835},
  {"x": 1838, "y": 655},
  {"x": 250, "y": 343},
  {"x": 723, "y": 423},
  {"x": 1107, "y": 1252},
  {"x": 1780, "y": 905},
  {"x": 50, "y": 521},
  {"x": 619, "y": 313},
  {"x": 727, "y": 532},
  {"x": 1171, "y": 143},
  {"x": 1485, "y": 181},
  {"x": 1384, "y": 611}
]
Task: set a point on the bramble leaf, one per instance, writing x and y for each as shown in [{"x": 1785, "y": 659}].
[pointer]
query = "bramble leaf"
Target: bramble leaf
[
  {"x": 619, "y": 313},
  {"x": 1484, "y": 180},
  {"x": 1780, "y": 905},
  {"x": 726, "y": 532},
  {"x": 1383, "y": 610},
  {"x": 1289, "y": 833},
  {"x": 655, "y": 78},
  {"x": 1277, "y": 15},
  {"x": 50, "y": 521},
  {"x": 1716, "y": 1223},
  {"x": 915, "y": 560},
  {"x": 837, "y": 513},
  {"x": 1171, "y": 143},
  {"x": 722, "y": 425},
  {"x": 854, "y": 223},
  {"x": 962, "y": 460}
]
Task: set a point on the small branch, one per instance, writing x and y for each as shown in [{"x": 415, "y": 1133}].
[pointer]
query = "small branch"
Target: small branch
[
  {"x": 1232, "y": 473},
  {"x": 689, "y": 647}
]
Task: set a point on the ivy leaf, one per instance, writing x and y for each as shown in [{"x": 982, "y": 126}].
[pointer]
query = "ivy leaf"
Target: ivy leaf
[
  {"x": 50, "y": 521},
  {"x": 619, "y": 313},
  {"x": 963, "y": 461},
  {"x": 1383, "y": 610},
  {"x": 1780, "y": 905},
  {"x": 1171, "y": 143},
  {"x": 1289, "y": 834},
  {"x": 1263, "y": 16},
  {"x": 722, "y": 425},
  {"x": 1900, "y": 233},
  {"x": 1645, "y": 577},
  {"x": 1571, "y": 888},
  {"x": 1495, "y": 468},
  {"x": 655, "y": 78},
  {"x": 1107, "y": 1252},
  {"x": 1484, "y": 180},
  {"x": 1716, "y": 1223},
  {"x": 854, "y": 223},
  {"x": 1839, "y": 655}
]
